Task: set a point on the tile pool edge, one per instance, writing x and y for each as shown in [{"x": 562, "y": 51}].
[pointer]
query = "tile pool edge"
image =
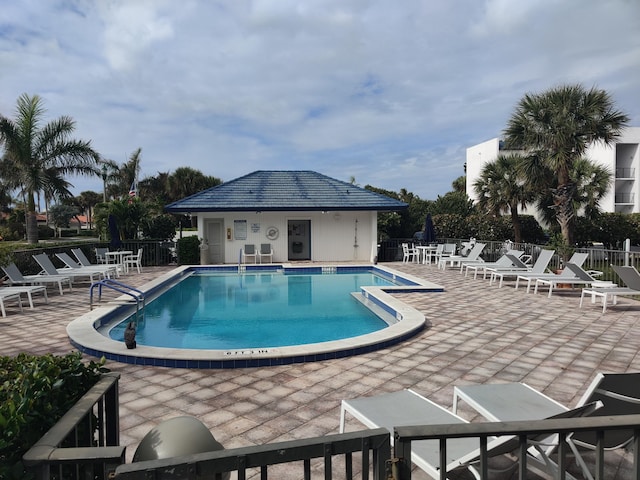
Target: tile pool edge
[{"x": 84, "y": 336}]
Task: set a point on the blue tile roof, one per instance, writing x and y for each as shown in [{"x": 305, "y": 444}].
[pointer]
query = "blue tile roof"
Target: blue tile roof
[{"x": 277, "y": 190}]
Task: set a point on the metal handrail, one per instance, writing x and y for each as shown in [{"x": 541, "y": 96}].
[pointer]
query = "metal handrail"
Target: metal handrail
[{"x": 120, "y": 287}]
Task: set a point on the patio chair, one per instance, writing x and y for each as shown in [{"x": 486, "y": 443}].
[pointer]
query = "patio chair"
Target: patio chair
[
  {"x": 133, "y": 261},
  {"x": 575, "y": 276},
  {"x": 456, "y": 260},
  {"x": 619, "y": 394},
  {"x": 16, "y": 278},
  {"x": 539, "y": 266},
  {"x": 505, "y": 260},
  {"x": 409, "y": 253},
  {"x": 249, "y": 251},
  {"x": 101, "y": 256},
  {"x": 577, "y": 258},
  {"x": 49, "y": 269},
  {"x": 29, "y": 290},
  {"x": 265, "y": 252},
  {"x": 103, "y": 270},
  {"x": 406, "y": 408},
  {"x": 628, "y": 275}
]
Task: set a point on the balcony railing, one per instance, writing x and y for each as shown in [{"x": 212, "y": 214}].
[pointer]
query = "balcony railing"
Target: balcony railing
[{"x": 625, "y": 172}]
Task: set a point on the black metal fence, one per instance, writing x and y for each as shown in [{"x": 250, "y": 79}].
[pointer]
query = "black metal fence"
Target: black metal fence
[{"x": 85, "y": 443}]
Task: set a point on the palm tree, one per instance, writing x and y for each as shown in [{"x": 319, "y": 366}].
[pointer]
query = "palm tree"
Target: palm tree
[
  {"x": 501, "y": 188},
  {"x": 557, "y": 127},
  {"x": 38, "y": 158}
]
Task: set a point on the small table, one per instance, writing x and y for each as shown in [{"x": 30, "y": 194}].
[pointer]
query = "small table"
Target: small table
[
  {"x": 426, "y": 253},
  {"x": 507, "y": 402},
  {"x": 118, "y": 256}
]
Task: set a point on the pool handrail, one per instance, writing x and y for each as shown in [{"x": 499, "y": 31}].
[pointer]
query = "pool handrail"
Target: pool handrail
[{"x": 118, "y": 287}]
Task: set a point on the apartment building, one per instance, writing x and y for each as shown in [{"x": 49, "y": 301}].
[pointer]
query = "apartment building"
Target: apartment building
[{"x": 621, "y": 158}]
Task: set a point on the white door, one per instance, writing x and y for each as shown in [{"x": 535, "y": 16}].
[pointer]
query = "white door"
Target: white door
[{"x": 216, "y": 241}]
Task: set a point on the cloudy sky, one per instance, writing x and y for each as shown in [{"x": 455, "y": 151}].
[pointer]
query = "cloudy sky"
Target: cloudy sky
[{"x": 388, "y": 92}]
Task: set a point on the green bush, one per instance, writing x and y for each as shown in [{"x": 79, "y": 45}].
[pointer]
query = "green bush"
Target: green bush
[
  {"x": 36, "y": 391},
  {"x": 189, "y": 250},
  {"x": 45, "y": 231}
]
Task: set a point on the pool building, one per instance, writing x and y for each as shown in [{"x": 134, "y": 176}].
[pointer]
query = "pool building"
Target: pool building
[{"x": 300, "y": 215}]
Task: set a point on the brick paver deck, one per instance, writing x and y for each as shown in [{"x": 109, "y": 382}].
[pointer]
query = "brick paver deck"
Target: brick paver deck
[{"x": 476, "y": 334}]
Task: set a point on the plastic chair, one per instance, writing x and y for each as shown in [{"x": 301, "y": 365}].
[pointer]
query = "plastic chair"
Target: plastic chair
[{"x": 133, "y": 261}]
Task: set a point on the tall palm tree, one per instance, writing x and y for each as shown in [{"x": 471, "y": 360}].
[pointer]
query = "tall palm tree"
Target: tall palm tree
[
  {"x": 557, "y": 127},
  {"x": 38, "y": 157},
  {"x": 501, "y": 188}
]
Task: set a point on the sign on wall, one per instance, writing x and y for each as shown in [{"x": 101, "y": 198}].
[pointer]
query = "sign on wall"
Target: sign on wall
[{"x": 240, "y": 229}]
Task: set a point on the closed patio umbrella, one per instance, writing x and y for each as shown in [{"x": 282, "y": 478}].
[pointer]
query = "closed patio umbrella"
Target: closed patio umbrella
[
  {"x": 429, "y": 230},
  {"x": 114, "y": 232}
]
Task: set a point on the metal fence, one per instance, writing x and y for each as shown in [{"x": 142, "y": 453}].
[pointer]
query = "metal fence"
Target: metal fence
[{"x": 85, "y": 442}]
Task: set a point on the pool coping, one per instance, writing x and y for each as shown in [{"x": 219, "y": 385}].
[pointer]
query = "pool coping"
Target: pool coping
[{"x": 83, "y": 332}]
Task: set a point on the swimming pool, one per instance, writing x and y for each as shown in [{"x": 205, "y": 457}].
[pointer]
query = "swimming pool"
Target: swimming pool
[
  {"x": 87, "y": 333},
  {"x": 253, "y": 310}
]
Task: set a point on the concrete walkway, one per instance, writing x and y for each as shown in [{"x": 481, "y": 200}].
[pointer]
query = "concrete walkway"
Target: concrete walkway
[{"x": 477, "y": 334}]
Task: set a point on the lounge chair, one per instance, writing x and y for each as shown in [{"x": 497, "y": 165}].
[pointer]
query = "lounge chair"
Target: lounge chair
[
  {"x": 29, "y": 290},
  {"x": 406, "y": 407},
  {"x": 576, "y": 276},
  {"x": 85, "y": 262},
  {"x": 265, "y": 252},
  {"x": 49, "y": 269},
  {"x": 619, "y": 394},
  {"x": 249, "y": 251},
  {"x": 530, "y": 277},
  {"x": 16, "y": 278},
  {"x": 456, "y": 260},
  {"x": 629, "y": 275},
  {"x": 104, "y": 270},
  {"x": 539, "y": 266},
  {"x": 5, "y": 295},
  {"x": 505, "y": 260}
]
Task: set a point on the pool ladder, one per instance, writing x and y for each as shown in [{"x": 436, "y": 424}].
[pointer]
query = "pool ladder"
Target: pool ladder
[{"x": 123, "y": 288}]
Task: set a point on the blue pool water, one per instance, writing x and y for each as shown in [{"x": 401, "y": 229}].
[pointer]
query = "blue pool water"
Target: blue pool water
[{"x": 257, "y": 310}]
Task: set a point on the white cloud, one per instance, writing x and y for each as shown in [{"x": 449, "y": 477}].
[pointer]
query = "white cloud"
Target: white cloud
[{"x": 391, "y": 93}]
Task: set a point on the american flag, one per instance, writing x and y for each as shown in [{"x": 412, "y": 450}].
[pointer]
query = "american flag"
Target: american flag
[{"x": 133, "y": 191}]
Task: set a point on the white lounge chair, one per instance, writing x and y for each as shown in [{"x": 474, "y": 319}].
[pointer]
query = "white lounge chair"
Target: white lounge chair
[
  {"x": 16, "y": 278},
  {"x": 49, "y": 269},
  {"x": 505, "y": 260},
  {"x": 629, "y": 275},
  {"x": 539, "y": 266},
  {"x": 29, "y": 291},
  {"x": 406, "y": 408},
  {"x": 576, "y": 276},
  {"x": 577, "y": 258},
  {"x": 6, "y": 295},
  {"x": 619, "y": 394},
  {"x": 456, "y": 260},
  {"x": 85, "y": 262},
  {"x": 103, "y": 270}
]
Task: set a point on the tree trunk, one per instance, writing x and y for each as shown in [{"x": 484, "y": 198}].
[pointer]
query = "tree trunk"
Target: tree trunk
[
  {"x": 517, "y": 225},
  {"x": 563, "y": 206},
  {"x": 32, "y": 221}
]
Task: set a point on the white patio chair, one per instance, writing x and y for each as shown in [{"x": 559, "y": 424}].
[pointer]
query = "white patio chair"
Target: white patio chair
[
  {"x": 265, "y": 252},
  {"x": 133, "y": 261},
  {"x": 249, "y": 251}
]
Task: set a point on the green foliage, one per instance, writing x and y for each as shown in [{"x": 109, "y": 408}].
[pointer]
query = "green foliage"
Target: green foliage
[
  {"x": 12, "y": 231},
  {"x": 188, "y": 249},
  {"x": 45, "y": 231},
  {"x": 454, "y": 203},
  {"x": 6, "y": 254},
  {"x": 36, "y": 391},
  {"x": 609, "y": 228},
  {"x": 162, "y": 227},
  {"x": 486, "y": 227},
  {"x": 130, "y": 214},
  {"x": 62, "y": 214}
]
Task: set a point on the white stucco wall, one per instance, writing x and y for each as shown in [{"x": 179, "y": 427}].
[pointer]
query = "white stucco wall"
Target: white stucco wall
[
  {"x": 332, "y": 234},
  {"x": 477, "y": 156}
]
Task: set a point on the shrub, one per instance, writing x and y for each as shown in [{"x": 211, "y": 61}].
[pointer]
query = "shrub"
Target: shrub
[
  {"x": 45, "y": 231},
  {"x": 36, "y": 391},
  {"x": 189, "y": 250}
]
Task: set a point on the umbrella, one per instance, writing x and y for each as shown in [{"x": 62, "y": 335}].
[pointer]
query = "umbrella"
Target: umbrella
[
  {"x": 429, "y": 231},
  {"x": 115, "y": 234}
]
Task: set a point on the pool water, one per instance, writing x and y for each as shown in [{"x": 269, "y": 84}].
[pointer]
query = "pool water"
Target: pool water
[{"x": 257, "y": 310}]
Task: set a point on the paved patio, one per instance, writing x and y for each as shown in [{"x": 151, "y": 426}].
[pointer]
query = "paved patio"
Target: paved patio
[{"x": 476, "y": 334}]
